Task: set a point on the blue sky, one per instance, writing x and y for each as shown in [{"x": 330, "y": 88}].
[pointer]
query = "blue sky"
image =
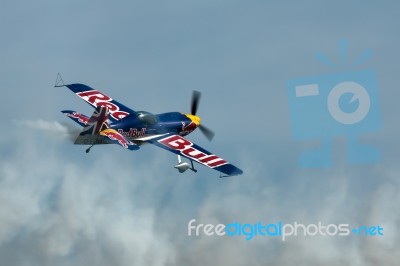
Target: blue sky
[{"x": 60, "y": 206}]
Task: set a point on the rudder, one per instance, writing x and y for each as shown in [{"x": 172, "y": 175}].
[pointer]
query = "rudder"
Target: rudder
[{"x": 97, "y": 122}]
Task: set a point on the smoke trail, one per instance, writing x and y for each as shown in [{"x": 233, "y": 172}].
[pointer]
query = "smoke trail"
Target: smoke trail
[{"x": 52, "y": 128}]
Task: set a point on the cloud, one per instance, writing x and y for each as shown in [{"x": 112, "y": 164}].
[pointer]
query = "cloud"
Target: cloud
[
  {"x": 342, "y": 195},
  {"x": 61, "y": 206},
  {"x": 74, "y": 215}
]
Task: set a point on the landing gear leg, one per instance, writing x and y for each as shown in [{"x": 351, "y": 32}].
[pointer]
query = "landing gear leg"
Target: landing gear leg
[
  {"x": 183, "y": 166},
  {"x": 192, "y": 168},
  {"x": 96, "y": 142},
  {"x": 88, "y": 149}
]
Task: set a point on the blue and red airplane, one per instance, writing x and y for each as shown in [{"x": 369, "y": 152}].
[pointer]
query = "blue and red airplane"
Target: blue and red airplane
[{"x": 114, "y": 123}]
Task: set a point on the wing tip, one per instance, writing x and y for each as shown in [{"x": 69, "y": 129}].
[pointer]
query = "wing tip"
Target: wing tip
[{"x": 229, "y": 170}]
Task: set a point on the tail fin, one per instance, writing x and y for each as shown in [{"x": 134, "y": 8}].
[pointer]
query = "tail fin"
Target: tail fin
[
  {"x": 97, "y": 131},
  {"x": 97, "y": 122}
]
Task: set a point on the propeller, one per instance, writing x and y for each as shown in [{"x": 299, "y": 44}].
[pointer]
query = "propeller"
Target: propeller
[
  {"x": 208, "y": 133},
  {"x": 195, "y": 101}
]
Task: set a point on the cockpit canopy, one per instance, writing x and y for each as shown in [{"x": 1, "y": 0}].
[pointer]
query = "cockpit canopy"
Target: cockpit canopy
[{"x": 147, "y": 117}]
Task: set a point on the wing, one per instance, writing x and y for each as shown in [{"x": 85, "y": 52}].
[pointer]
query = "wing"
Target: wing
[
  {"x": 181, "y": 146},
  {"x": 96, "y": 98}
]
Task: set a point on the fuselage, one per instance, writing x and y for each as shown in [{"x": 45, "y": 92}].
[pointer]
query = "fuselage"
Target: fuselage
[{"x": 144, "y": 124}]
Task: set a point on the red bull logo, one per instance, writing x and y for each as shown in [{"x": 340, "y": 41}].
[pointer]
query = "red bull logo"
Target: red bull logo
[
  {"x": 132, "y": 133},
  {"x": 114, "y": 135},
  {"x": 81, "y": 118}
]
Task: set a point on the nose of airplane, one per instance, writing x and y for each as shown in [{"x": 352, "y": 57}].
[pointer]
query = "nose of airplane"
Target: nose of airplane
[{"x": 194, "y": 118}]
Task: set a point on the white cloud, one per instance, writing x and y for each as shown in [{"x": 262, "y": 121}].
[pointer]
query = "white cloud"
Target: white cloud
[
  {"x": 87, "y": 214},
  {"x": 116, "y": 209}
]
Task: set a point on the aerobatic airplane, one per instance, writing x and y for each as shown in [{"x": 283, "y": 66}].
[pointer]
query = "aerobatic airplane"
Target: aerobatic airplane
[{"x": 114, "y": 123}]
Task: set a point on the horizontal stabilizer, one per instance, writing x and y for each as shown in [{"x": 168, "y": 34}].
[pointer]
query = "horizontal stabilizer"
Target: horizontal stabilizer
[
  {"x": 92, "y": 139},
  {"x": 77, "y": 117}
]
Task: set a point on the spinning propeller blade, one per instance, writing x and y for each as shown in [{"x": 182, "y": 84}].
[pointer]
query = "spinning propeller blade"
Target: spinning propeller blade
[
  {"x": 195, "y": 102},
  {"x": 208, "y": 133}
]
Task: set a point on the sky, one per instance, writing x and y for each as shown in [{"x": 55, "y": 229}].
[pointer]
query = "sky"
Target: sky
[{"x": 61, "y": 206}]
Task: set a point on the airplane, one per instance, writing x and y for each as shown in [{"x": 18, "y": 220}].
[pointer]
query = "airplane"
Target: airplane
[{"x": 114, "y": 123}]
